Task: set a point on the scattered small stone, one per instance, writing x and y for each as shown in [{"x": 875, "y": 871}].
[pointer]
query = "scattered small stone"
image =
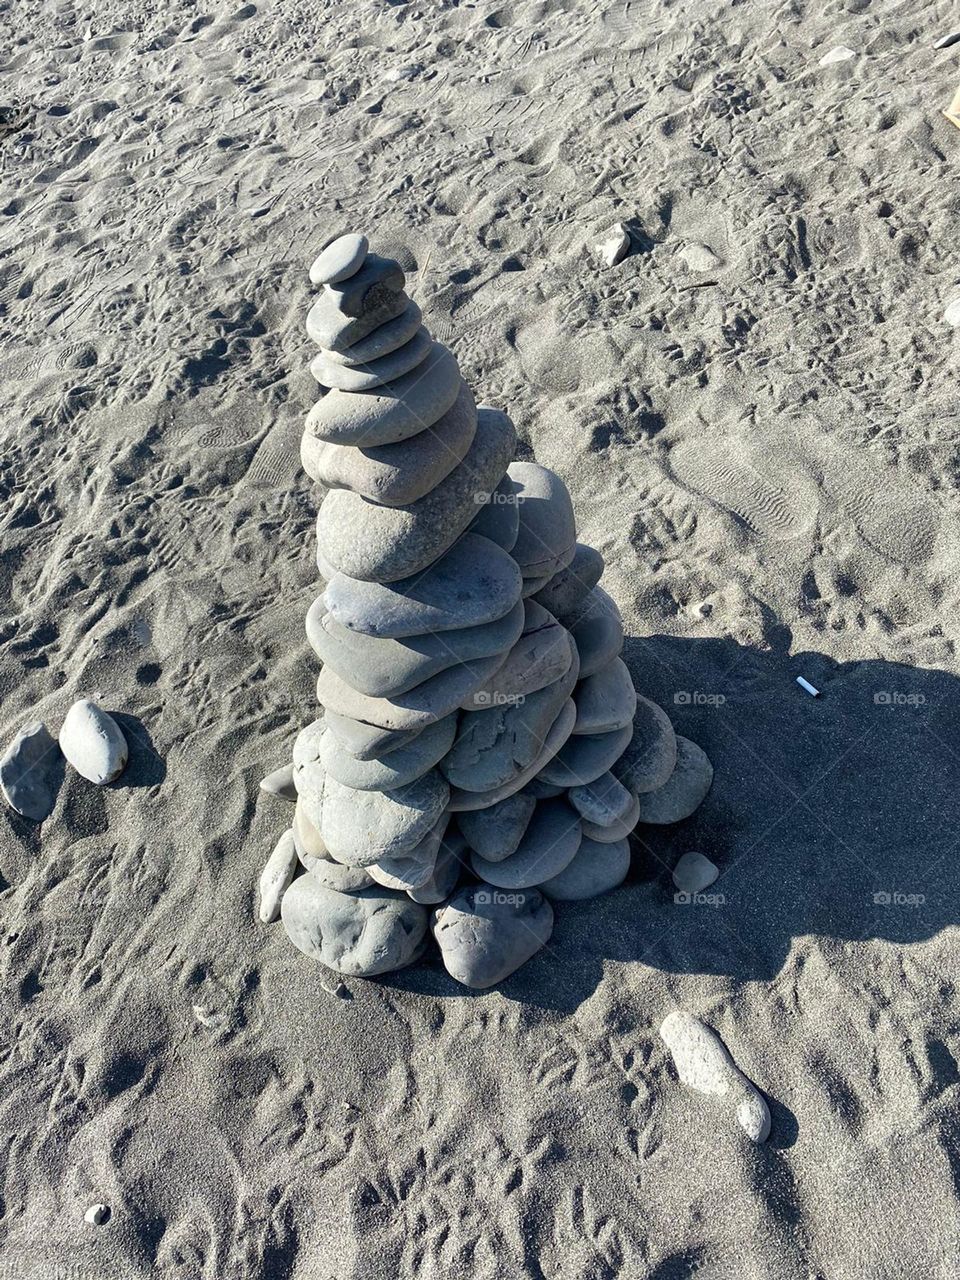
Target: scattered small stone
[
  {"x": 26, "y": 772},
  {"x": 840, "y": 54},
  {"x": 952, "y": 313},
  {"x": 97, "y": 1215},
  {"x": 276, "y": 876},
  {"x": 615, "y": 245},
  {"x": 704, "y": 1063},
  {"x": 694, "y": 872},
  {"x": 93, "y": 743},
  {"x": 280, "y": 783}
]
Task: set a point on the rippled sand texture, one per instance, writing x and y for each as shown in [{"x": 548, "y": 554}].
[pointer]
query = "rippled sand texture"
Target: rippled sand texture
[{"x": 761, "y": 439}]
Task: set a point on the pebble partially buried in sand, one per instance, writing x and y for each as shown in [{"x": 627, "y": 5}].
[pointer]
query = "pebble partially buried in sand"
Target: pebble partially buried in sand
[{"x": 476, "y": 708}]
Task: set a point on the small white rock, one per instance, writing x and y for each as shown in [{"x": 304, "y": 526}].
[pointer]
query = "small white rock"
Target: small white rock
[
  {"x": 280, "y": 783},
  {"x": 615, "y": 246},
  {"x": 840, "y": 54},
  {"x": 699, "y": 257},
  {"x": 952, "y": 314},
  {"x": 276, "y": 876},
  {"x": 93, "y": 743},
  {"x": 945, "y": 42},
  {"x": 704, "y": 1063},
  {"x": 97, "y": 1215}
]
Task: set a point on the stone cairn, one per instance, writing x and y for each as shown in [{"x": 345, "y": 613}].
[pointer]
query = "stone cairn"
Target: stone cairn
[{"x": 481, "y": 753}]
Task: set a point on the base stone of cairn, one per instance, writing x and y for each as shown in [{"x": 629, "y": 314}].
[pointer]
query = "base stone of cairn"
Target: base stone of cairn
[{"x": 481, "y": 753}]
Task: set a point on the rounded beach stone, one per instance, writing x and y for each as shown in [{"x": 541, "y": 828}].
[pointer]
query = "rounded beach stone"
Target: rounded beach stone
[
  {"x": 414, "y": 869},
  {"x": 598, "y": 633},
  {"x": 694, "y": 872},
  {"x": 93, "y": 742},
  {"x": 396, "y": 474},
  {"x": 417, "y": 707},
  {"x": 278, "y": 872},
  {"x": 474, "y": 582},
  {"x": 585, "y": 756},
  {"x": 619, "y": 829},
  {"x": 494, "y": 833},
  {"x": 606, "y": 700},
  {"x": 651, "y": 756},
  {"x": 346, "y": 313},
  {"x": 384, "y": 544},
  {"x": 313, "y": 856},
  {"x": 361, "y": 934},
  {"x": 568, "y": 589},
  {"x": 396, "y": 411},
  {"x": 383, "y": 668},
  {"x": 499, "y": 517},
  {"x": 280, "y": 783},
  {"x": 603, "y": 801},
  {"x": 388, "y": 337},
  {"x": 309, "y": 842},
  {"x": 446, "y": 872},
  {"x": 540, "y": 656},
  {"x": 27, "y": 772},
  {"x": 367, "y": 741},
  {"x": 538, "y": 575},
  {"x": 685, "y": 789},
  {"x": 398, "y": 769},
  {"x": 340, "y": 259},
  {"x": 532, "y": 586},
  {"x": 704, "y": 1063},
  {"x": 547, "y": 526},
  {"x": 594, "y": 869},
  {"x": 549, "y": 843},
  {"x": 340, "y": 377},
  {"x": 495, "y": 745},
  {"x": 484, "y": 935},
  {"x": 465, "y": 801},
  {"x": 361, "y": 827}
]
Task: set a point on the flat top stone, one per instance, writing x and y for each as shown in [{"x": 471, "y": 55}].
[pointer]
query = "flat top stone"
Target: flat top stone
[
  {"x": 341, "y": 258},
  {"x": 547, "y": 524},
  {"x": 485, "y": 935},
  {"x": 549, "y": 843},
  {"x": 474, "y": 582},
  {"x": 684, "y": 790}
]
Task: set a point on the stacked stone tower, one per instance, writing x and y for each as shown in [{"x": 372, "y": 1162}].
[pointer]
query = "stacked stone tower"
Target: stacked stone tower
[{"x": 481, "y": 752}]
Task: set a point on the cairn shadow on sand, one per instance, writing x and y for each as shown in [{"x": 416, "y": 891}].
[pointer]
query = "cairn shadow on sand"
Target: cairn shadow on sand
[{"x": 836, "y": 816}]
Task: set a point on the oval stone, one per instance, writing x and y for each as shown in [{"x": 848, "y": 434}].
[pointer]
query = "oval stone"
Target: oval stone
[
  {"x": 384, "y": 544},
  {"x": 650, "y": 759},
  {"x": 414, "y": 869},
  {"x": 446, "y": 872},
  {"x": 367, "y": 741},
  {"x": 384, "y": 668},
  {"x": 603, "y": 801},
  {"x": 395, "y": 411},
  {"x": 396, "y": 474},
  {"x": 93, "y": 742},
  {"x": 619, "y": 829},
  {"x": 685, "y": 789},
  {"x": 340, "y": 259},
  {"x": 465, "y": 801},
  {"x": 398, "y": 768},
  {"x": 595, "y": 869},
  {"x": 547, "y": 526},
  {"x": 485, "y": 935},
  {"x": 549, "y": 843},
  {"x": 606, "y": 700},
  {"x": 345, "y": 314},
  {"x": 361, "y": 827},
  {"x": 474, "y": 582},
  {"x": 566, "y": 591},
  {"x": 585, "y": 756},
  {"x": 382, "y": 340},
  {"x": 360, "y": 934},
  {"x": 375, "y": 373}
]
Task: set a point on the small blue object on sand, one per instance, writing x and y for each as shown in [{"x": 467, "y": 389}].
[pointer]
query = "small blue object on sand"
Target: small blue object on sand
[{"x": 805, "y": 684}]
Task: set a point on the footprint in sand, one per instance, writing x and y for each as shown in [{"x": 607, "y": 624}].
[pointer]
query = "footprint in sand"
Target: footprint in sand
[
  {"x": 704, "y": 1063},
  {"x": 767, "y": 489}
]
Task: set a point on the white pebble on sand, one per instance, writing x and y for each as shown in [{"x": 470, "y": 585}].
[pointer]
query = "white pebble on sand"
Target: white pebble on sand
[
  {"x": 698, "y": 257},
  {"x": 97, "y": 1215},
  {"x": 840, "y": 54},
  {"x": 93, "y": 743},
  {"x": 952, "y": 314},
  {"x": 275, "y": 878},
  {"x": 704, "y": 1063},
  {"x": 615, "y": 245}
]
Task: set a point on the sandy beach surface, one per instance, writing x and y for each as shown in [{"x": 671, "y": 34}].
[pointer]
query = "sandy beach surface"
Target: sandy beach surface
[{"x": 757, "y": 414}]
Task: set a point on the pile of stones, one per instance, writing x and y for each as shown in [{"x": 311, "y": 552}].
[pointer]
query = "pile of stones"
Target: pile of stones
[{"x": 481, "y": 752}]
